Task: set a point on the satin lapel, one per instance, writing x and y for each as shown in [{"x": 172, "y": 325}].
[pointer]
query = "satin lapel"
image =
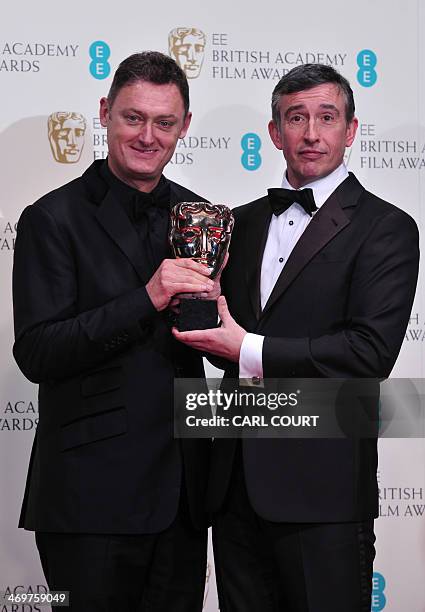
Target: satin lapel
[
  {"x": 116, "y": 223},
  {"x": 255, "y": 242},
  {"x": 324, "y": 226}
]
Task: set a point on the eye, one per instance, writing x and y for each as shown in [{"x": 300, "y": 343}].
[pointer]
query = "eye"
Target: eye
[
  {"x": 328, "y": 118},
  {"x": 189, "y": 233},
  {"x": 165, "y": 124},
  {"x": 296, "y": 119},
  {"x": 216, "y": 234},
  {"x": 132, "y": 118}
]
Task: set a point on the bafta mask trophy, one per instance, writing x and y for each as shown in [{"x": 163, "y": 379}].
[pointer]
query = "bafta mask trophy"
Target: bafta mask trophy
[{"x": 202, "y": 231}]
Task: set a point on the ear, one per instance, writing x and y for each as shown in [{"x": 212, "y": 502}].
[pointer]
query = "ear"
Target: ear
[
  {"x": 275, "y": 135},
  {"x": 104, "y": 112},
  {"x": 186, "y": 124},
  {"x": 351, "y": 132}
]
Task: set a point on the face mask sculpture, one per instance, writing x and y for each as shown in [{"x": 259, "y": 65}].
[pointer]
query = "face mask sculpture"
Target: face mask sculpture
[{"x": 202, "y": 231}]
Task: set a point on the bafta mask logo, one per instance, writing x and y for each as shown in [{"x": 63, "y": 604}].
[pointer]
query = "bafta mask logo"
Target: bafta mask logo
[
  {"x": 202, "y": 231},
  {"x": 66, "y": 132},
  {"x": 186, "y": 46}
]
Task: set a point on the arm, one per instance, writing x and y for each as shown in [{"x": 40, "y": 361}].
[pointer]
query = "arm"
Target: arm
[
  {"x": 224, "y": 341},
  {"x": 52, "y": 339},
  {"x": 378, "y": 308},
  {"x": 379, "y": 303}
]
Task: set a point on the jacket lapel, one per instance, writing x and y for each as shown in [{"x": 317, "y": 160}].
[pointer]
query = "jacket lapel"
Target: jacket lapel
[
  {"x": 113, "y": 218},
  {"x": 255, "y": 242},
  {"x": 325, "y": 225},
  {"x": 116, "y": 223}
]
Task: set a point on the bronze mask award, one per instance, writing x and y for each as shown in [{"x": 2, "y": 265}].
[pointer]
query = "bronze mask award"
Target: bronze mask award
[{"x": 202, "y": 231}]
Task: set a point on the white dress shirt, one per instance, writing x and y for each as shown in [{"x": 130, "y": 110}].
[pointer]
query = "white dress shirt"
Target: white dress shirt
[{"x": 284, "y": 232}]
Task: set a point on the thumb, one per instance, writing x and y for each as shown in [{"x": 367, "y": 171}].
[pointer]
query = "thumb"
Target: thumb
[{"x": 223, "y": 311}]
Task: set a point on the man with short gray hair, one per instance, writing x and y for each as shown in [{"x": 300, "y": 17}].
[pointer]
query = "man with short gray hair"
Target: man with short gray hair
[{"x": 320, "y": 284}]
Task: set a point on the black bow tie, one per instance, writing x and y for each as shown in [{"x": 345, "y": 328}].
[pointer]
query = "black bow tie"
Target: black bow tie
[
  {"x": 150, "y": 214},
  {"x": 147, "y": 205},
  {"x": 281, "y": 199}
]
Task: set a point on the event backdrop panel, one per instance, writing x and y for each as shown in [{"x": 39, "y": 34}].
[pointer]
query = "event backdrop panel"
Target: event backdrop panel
[{"x": 56, "y": 63}]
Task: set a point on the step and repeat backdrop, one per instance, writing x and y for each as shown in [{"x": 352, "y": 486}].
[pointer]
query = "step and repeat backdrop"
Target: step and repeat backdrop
[{"x": 56, "y": 61}]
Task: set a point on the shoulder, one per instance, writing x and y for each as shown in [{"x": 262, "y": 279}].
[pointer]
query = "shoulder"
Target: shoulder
[
  {"x": 245, "y": 211},
  {"x": 376, "y": 208},
  {"x": 89, "y": 187},
  {"x": 183, "y": 194},
  {"x": 69, "y": 200},
  {"x": 370, "y": 210}
]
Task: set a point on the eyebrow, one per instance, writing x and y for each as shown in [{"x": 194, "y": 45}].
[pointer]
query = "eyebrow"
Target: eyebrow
[
  {"x": 140, "y": 112},
  {"x": 323, "y": 106}
]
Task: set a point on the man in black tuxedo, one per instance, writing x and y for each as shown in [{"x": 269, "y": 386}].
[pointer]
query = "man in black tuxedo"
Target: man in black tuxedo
[
  {"x": 116, "y": 502},
  {"x": 322, "y": 276}
]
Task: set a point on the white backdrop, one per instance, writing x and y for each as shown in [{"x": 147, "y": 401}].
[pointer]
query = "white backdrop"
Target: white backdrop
[{"x": 46, "y": 65}]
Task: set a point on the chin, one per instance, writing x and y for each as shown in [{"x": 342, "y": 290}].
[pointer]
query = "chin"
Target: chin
[{"x": 143, "y": 170}]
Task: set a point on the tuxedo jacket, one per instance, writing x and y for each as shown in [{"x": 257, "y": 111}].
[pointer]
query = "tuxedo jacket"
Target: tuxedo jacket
[
  {"x": 104, "y": 458},
  {"x": 338, "y": 310}
]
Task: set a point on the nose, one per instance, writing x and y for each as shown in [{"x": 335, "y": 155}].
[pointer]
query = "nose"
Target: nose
[
  {"x": 311, "y": 133},
  {"x": 71, "y": 138},
  {"x": 146, "y": 134},
  {"x": 191, "y": 56},
  {"x": 204, "y": 241}
]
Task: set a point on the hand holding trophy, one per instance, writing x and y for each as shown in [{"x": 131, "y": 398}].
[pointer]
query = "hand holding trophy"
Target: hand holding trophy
[{"x": 202, "y": 231}]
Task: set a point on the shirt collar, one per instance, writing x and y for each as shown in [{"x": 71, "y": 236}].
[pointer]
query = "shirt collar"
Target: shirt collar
[
  {"x": 323, "y": 187},
  {"x": 126, "y": 192}
]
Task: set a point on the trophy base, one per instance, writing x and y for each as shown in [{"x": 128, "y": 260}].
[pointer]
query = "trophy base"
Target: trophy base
[{"x": 197, "y": 314}]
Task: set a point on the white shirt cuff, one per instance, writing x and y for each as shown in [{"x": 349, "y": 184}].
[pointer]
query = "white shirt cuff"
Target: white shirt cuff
[{"x": 251, "y": 356}]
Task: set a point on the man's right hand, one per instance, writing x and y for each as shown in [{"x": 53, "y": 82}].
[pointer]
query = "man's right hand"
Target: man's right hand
[{"x": 177, "y": 276}]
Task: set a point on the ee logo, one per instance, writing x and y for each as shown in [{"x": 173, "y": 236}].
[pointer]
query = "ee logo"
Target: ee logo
[
  {"x": 251, "y": 145},
  {"x": 379, "y": 600},
  {"x": 99, "y": 66},
  {"x": 366, "y": 61}
]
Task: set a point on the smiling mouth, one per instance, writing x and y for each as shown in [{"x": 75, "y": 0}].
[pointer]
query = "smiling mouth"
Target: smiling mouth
[{"x": 144, "y": 151}]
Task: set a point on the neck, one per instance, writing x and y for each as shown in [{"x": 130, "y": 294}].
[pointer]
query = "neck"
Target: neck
[
  {"x": 299, "y": 182},
  {"x": 146, "y": 185}
]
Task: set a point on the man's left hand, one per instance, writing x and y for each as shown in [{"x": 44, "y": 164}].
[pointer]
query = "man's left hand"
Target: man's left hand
[{"x": 224, "y": 341}]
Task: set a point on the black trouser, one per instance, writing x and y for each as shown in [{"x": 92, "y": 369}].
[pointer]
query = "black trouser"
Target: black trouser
[
  {"x": 263, "y": 566},
  {"x": 159, "y": 572}
]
